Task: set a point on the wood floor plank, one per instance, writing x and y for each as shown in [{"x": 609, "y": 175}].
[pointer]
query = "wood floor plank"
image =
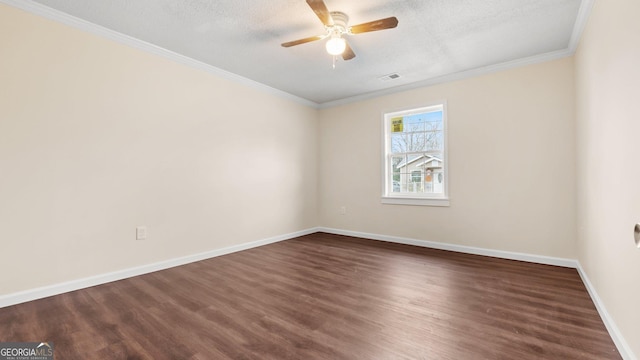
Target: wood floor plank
[{"x": 325, "y": 296}]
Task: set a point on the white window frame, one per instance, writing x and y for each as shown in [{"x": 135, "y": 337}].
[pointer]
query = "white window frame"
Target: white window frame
[{"x": 424, "y": 199}]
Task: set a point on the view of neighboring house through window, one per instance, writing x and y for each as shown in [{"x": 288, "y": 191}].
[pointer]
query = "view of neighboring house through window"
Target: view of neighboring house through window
[{"x": 415, "y": 156}]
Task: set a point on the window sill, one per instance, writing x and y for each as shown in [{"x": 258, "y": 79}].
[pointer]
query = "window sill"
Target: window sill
[{"x": 398, "y": 200}]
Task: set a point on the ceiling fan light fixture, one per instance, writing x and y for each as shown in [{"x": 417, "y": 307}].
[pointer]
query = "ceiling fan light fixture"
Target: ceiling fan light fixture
[
  {"x": 336, "y": 45},
  {"x": 336, "y": 24}
]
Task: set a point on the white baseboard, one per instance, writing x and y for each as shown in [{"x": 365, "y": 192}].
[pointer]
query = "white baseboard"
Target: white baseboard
[
  {"x": 46, "y": 291},
  {"x": 623, "y": 347},
  {"x": 540, "y": 259},
  {"x": 614, "y": 332},
  {"x": 55, "y": 289}
]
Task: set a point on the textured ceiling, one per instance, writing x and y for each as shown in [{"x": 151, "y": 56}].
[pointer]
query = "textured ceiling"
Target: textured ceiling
[{"x": 434, "y": 38}]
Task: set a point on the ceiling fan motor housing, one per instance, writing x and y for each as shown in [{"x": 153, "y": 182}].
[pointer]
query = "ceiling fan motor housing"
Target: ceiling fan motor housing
[{"x": 340, "y": 21}]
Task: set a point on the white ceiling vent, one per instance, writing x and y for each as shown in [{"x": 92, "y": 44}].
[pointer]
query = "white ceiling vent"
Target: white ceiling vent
[{"x": 388, "y": 77}]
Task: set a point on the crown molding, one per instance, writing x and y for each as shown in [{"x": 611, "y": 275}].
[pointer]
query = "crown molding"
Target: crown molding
[
  {"x": 536, "y": 59},
  {"x": 64, "y": 18},
  {"x": 578, "y": 28},
  {"x": 580, "y": 24},
  {"x": 56, "y": 15}
]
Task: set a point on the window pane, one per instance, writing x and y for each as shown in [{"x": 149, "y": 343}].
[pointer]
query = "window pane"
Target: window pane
[
  {"x": 418, "y": 173},
  {"x": 400, "y": 142},
  {"x": 434, "y": 174},
  {"x": 394, "y": 170},
  {"x": 419, "y": 132}
]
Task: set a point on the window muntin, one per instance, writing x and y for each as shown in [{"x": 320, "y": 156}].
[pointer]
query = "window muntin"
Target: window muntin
[{"x": 415, "y": 154}]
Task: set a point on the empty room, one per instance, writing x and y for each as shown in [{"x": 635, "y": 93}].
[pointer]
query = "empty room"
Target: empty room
[{"x": 319, "y": 179}]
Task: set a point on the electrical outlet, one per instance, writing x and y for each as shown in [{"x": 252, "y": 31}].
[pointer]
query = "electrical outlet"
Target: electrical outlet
[
  {"x": 343, "y": 210},
  {"x": 141, "y": 233}
]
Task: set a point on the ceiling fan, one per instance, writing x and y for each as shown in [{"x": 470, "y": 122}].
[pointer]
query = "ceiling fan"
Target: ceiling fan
[{"x": 336, "y": 25}]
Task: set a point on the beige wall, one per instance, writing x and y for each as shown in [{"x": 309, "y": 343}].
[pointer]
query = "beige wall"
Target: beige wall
[
  {"x": 511, "y": 158},
  {"x": 97, "y": 138},
  {"x": 608, "y": 124}
]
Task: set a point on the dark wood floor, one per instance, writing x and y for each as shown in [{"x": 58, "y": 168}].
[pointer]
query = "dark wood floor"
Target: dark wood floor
[{"x": 325, "y": 297}]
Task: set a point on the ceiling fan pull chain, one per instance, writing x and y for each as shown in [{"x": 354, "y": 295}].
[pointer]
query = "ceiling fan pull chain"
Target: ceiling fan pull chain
[{"x": 334, "y": 62}]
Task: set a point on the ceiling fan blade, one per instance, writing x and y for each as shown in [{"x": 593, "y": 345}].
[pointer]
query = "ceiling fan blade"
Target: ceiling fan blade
[
  {"x": 387, "y": 23},
  {"x": 321, "y": 11},
  {"x": 303, "y": 41},
  {"x": 348, "y": 53}
]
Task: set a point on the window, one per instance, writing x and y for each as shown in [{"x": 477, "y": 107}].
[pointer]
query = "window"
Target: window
[
  {"x": 416, "y": 176},
  {"x": 415, "y": 158}
]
